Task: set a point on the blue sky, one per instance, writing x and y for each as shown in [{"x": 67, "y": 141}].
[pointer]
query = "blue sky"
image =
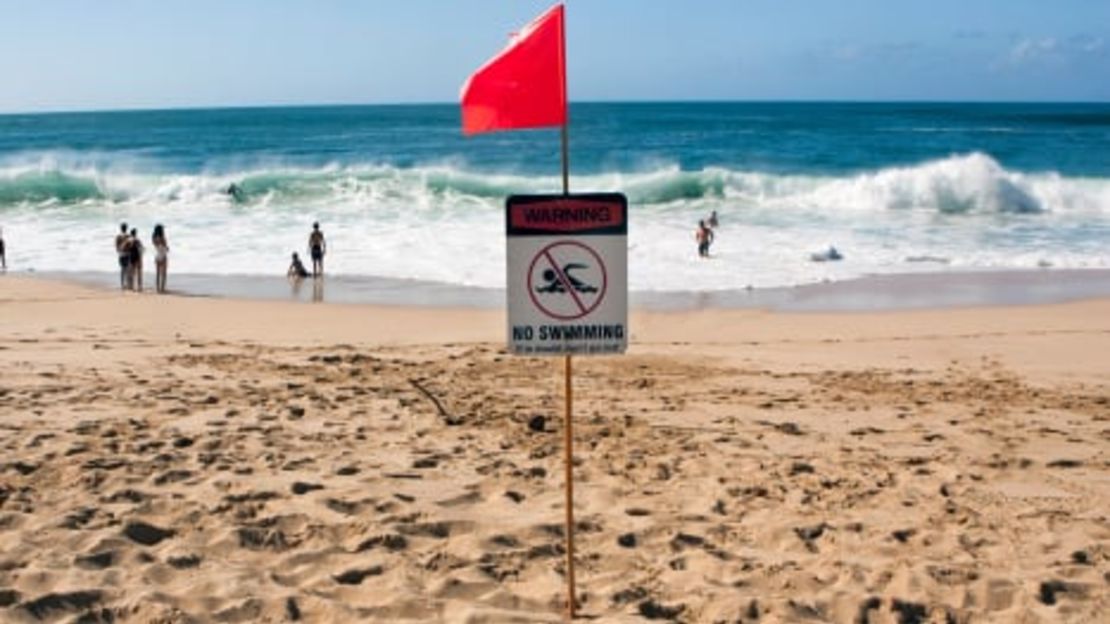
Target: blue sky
[{"x": 107, "y": 54}]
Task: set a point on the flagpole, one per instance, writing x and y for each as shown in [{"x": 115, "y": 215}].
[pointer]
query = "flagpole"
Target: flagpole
[
  {"x": 568, "y": 444},
  {"x": 566, "y": 161},
  {"x": 568, "y": 426},
  {"x": 568, "y": 417}
]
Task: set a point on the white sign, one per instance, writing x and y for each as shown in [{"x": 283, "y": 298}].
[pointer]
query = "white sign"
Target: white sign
[{"x": 567, "y": 273}]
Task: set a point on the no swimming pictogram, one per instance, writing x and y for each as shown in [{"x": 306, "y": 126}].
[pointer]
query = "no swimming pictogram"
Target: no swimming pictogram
[{"x": 567, "y": 280}]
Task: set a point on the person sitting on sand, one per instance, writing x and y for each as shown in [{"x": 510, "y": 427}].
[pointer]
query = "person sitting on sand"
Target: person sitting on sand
[
  {"x": 316, "y": 250},
  {"x": 704, "y": 236},
  {"x": 161, "y": 257},
  {"x": 296, "y": 269},
  {"x": 135, "y": 260},
  {"x": 124, "y": 255}
]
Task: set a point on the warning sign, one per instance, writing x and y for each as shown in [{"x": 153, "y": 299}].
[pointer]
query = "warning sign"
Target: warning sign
[{"x": 567, "y": 260}]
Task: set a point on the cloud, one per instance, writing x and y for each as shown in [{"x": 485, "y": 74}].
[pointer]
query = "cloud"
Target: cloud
[
  {"x": 1033, "y": 50},
  {"x": 1088, "y": 43},
  {"x": 1049, "y": 51},
  {"x": 855, "y": 53}
]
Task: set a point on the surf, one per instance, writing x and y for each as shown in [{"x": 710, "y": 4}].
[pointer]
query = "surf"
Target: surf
[
  {"x": 442, "y": 222},
  {"x": 960, "y": 184}
]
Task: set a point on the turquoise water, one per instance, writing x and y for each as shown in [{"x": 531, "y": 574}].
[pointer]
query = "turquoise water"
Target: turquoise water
[{"x": 401, "y": 194}]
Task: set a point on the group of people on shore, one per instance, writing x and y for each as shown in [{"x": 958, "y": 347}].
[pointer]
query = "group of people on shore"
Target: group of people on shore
[
  {"x": 130, "y": 250},
  {"x": 706, "y": 234}
]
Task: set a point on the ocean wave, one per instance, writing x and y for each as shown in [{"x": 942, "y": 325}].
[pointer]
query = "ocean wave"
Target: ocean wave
[
  {"x": 47, "y": 187},
  {"x": 956, "y": 185},
  {"x": 960, "y": 184}
]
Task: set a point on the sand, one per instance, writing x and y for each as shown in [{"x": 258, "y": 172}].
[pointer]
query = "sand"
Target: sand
[{"x": 178, "y": 459}]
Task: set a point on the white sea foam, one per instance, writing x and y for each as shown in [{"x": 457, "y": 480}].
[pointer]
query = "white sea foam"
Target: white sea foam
[{"x": 445, "y": 223}]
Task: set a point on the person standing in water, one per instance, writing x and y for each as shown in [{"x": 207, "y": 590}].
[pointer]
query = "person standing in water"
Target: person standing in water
[
  {"x": 3, "y": 254},
  {"x": 124, "y": 255},
  {"x": 135, "y": 259},
  {"x": 713, "y": 223},
  {"x": 704, "y": 236},
  {"x": 161, "y": 257},
  {"x": 316, "y": 250}
]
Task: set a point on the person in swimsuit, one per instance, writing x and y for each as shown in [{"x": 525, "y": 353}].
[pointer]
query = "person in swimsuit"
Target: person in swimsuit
[
  {"x": 124, "y": 257},
  {"x": 161, "y": 257},
  {"x": 3, "y": 257},
  {"x": 704, "y": 236},
  {"x": 135, "y": 259},
  {"x": 296, "y": 269},
  {"x": 713, "y": 223},
  {"x": 316, "y": 250}
]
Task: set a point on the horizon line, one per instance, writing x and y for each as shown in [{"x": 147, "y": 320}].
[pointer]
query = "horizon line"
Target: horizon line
[{"x": 208, "y": 107}]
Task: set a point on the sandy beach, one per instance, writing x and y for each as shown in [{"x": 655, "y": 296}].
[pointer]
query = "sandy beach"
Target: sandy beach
[{"x": 187, "y": 459}]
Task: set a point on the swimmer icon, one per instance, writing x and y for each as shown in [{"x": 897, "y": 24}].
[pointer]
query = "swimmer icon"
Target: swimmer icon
[
  {"x": 567, "y": 280},
  {"x": 555, "y": 284}
]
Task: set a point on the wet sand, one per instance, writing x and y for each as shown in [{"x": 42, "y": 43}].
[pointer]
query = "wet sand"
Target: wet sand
[
  {"x": 879, "y": 292},
  {"x": 189, "y": 459}
]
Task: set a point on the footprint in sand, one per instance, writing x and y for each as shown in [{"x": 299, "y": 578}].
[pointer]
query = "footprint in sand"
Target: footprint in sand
[
  {"x": 97, "y": 560},
  {"x": 146, "y": 534},
  {"x": 355, "y": 576},
  {"x": 52, "y": 606}
]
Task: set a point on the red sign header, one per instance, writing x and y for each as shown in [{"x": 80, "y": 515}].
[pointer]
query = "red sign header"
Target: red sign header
[{"x": 559, "y": 214}]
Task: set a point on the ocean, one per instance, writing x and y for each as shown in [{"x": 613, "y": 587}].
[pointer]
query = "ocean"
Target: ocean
[{"x": 401, "y": 194}]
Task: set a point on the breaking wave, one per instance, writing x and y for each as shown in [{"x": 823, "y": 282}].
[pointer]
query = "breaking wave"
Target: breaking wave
[{"x": 960, "y": 184}]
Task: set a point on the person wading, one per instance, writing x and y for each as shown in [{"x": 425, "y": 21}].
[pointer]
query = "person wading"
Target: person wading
[
  {"x": 161, "y": 257},
  {"x": 316, "y": 250},
  {"x": 135, "y": 259},
  {"x": 124, "y": 255},
  {"x": 704, "y": 236}
]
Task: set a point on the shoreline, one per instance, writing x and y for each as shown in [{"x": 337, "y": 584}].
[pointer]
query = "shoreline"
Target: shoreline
[
  {"x": 37, "y": 306},
  {"x": 886, "y": 292}
]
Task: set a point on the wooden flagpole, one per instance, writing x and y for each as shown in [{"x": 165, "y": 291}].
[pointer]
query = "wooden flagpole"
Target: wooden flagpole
[
  {"x": 568, "y": 389},
  {"x": 568, "y": 442},
  {"x": 568, "y": 432}
]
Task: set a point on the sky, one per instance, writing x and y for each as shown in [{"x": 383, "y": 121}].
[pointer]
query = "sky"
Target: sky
[{"x": 126, "y": 54}]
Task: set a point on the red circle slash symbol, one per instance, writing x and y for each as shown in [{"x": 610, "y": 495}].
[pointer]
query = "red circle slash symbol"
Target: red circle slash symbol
[{"x": 567, "y": 280}]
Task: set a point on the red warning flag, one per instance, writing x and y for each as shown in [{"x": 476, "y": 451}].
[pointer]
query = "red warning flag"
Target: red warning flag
[{"x": 525, "y": 86}]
